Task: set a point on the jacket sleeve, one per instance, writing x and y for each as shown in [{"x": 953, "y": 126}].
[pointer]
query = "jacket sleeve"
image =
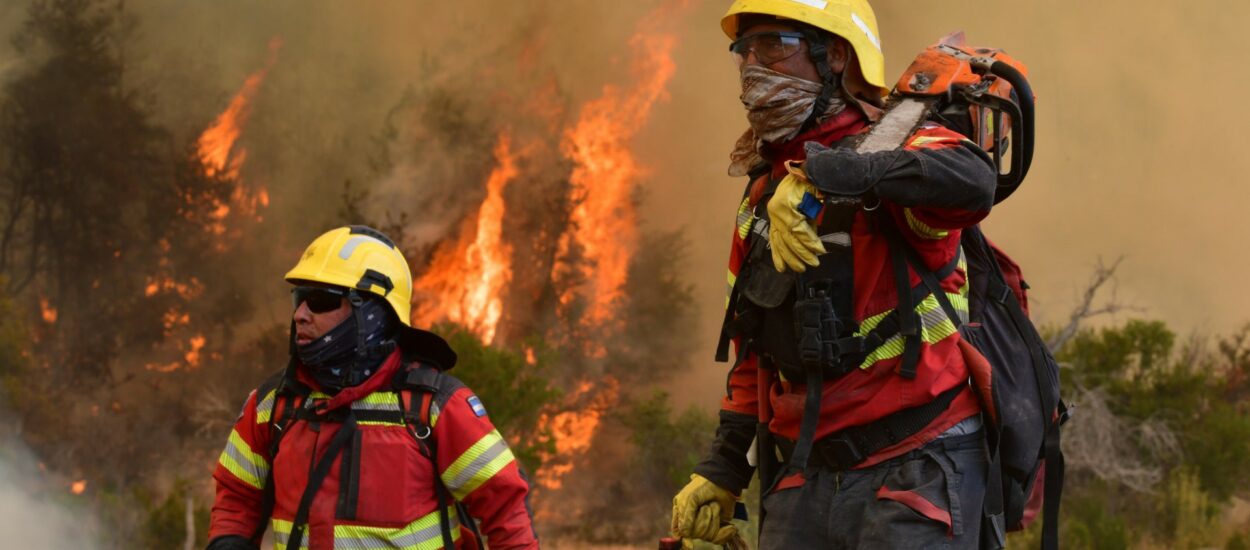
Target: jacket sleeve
[
  {"x": 241, "y": 473},
  {"x": 942, "y": 181},
  {"x": 726, "y": 463},
  {"x": 480, "y": 471}
]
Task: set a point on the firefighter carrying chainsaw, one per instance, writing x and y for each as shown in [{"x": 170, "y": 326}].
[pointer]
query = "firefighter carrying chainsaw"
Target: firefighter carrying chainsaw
[
  {"x": 364, "y": 441},
  {"x": 876, "y": 332}
]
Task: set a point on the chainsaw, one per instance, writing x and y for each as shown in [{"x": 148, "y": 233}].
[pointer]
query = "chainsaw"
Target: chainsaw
[{"x": 981, "y": 93}]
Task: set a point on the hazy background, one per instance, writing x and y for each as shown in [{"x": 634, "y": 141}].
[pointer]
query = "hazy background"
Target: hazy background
[
  {"x": 1137, "y": 139},
  {"x": 1138, "y": 142}
]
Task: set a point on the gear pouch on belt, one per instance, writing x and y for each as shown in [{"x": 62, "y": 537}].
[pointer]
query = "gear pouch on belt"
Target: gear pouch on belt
[{"x": 763, "y": 285}]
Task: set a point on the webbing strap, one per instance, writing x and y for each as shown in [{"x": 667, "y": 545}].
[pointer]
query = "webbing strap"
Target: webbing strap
[
  {"x": 317, "y": 477},
  {"x": 728, "y": 329},
  {"x": 280, "y": 419},
  {"x": 908, "y": 319}
]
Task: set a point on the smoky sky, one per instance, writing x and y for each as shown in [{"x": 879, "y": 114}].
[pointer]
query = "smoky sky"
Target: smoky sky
[{"x": 1139, "y": 138}]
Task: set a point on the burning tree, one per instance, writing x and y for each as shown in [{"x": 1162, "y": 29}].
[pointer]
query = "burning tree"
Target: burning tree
[{"x": 125, "y": 246}]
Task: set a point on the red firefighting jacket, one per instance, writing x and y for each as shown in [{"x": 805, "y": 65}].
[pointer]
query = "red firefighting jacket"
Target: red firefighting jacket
[
  {"x": 385, "y": 495},
  {"x": 875, "y": 390}
]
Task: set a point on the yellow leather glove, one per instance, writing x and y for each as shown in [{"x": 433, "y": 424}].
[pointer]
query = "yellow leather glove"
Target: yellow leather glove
[
  {"x": 795, "y": 244},
  {"x": 702, "y": 510}
]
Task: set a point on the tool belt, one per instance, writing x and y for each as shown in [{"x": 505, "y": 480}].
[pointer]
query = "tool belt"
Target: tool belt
[{"x": 845, "y": 449}]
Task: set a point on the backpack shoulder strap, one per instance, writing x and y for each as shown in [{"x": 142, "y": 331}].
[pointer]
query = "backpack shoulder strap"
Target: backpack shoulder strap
[
  {"x": 277, "y": 399},
  {"x": 423, "y": 391}
]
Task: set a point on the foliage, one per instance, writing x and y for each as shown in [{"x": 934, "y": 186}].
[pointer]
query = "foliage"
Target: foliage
[
  {"x": 1195, "y": 393},
  {"x": 514, "y": 391},
  {"x": 666, "y": 446}
]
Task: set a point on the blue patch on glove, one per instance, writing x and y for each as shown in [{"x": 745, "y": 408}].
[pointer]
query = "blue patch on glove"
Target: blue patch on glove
[{"x": 810, "y": 206}]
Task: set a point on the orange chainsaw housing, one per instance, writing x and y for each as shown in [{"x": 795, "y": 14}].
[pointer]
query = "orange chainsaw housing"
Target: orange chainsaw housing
[{"x": 951, "y": 66}]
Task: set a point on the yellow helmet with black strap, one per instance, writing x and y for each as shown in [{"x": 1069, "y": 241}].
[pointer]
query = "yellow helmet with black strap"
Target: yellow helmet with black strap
[
  {"x": 852, "y": 20},
  {"x": 364, "y": 259}
]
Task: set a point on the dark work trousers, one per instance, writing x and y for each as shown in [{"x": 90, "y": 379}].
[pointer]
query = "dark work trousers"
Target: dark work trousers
[{"x": 928, "y": 498}]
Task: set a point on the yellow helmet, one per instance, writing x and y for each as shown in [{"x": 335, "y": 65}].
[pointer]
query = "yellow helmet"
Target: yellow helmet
[
  {"x": 853, "y": 20},
  {"x": 362, "y": 258}
]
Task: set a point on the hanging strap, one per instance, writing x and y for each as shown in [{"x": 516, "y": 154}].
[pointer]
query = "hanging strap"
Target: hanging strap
[
  {"x": 280, "y": 419},
  {"x": 423, "y": 382},
  {"x": 317, "y": 477},
  {"x": 908, "y": 319}
]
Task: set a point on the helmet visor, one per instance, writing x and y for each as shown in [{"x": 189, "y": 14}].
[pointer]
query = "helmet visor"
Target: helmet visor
[{"x": 768, "y": 47}]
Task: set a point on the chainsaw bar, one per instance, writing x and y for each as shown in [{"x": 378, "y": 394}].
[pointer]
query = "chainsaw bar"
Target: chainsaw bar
[{"x": 900, "y": 120}]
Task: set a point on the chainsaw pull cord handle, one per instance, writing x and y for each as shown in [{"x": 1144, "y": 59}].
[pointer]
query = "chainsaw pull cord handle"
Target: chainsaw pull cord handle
[{"x": 1021, "y": 126}]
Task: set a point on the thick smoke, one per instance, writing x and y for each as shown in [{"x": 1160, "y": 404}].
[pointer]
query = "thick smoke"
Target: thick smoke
[
  {"x": 34, "y": 512},
  {"x": 1137, "y": 144}
]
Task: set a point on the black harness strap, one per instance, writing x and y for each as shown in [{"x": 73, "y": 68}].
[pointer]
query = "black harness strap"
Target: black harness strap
[
  {"x": 424, "y": 382},
  {"x": 908, "y": 319},
  {"x": 280, "y": 419},
  {"x": 317, "y": 477}
]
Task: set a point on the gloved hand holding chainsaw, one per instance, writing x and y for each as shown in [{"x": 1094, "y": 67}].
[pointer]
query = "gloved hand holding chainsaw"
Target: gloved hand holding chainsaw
[{"x": 827, "y": 174}]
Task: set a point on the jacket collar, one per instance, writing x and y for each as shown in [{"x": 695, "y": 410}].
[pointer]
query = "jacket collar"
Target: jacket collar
[
  {"x": 379, "y": 380},
  {"x": 848, "y": 122}
]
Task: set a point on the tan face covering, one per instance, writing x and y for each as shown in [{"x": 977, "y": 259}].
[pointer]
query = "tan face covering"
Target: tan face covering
[{"x": 777, "y": 105}]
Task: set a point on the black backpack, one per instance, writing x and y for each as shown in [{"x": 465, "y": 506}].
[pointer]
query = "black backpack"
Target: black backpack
[{"x": 1017, "y": 380}]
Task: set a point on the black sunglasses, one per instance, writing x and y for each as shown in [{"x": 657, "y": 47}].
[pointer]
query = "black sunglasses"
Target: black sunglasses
[
  {"x": 319, "y": 299},
  {"x": 769, "y": 47}
]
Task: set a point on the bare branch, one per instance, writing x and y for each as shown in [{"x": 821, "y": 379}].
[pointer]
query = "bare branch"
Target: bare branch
[{"x": 1086, "y": 309}]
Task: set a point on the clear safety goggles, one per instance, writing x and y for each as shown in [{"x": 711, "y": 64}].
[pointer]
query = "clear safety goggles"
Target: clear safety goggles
[{"x": 768, "y": 47}]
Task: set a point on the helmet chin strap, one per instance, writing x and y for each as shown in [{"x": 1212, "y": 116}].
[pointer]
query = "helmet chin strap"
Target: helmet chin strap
[{"x": 818, "y": 51}]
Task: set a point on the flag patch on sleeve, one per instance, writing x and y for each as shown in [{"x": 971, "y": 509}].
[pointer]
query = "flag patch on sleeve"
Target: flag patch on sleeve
[{"x": 476, "y": 404}]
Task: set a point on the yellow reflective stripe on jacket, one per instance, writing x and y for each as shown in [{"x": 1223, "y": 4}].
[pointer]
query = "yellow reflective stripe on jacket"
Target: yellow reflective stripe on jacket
[
  {"x": 935, "y": 325},
  {"x": 282, "y": 534},
  {"x": 745, "y": 215},
  {"x": 249, "y": 467},
  {"x": 387, "y": 401},
  {"x": 422, "y": 534},
  {"x": 923, "y": 229},
  {"x": 477, "y": 465},
  {"x": 729, "y": 292},
  {"x": 921, "y": 141},
  {"x": 264, "y": 407},
  {"x": 378, "y": 401}
]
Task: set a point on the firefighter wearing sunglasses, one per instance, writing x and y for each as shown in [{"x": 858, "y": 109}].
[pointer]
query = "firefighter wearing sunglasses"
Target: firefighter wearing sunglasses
[
  {"x": 363, "y": 440},
  {"x": 852, "y": 404}
]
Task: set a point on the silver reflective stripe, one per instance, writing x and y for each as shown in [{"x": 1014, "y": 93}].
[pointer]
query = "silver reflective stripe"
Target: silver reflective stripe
[
  {"x": 478, "y": 463},
  {"x": 352, "y": 243},
  {"x": 245, "y": 461},
  {"x": 362, "y": 406},
  {"x": 368, "y": 541}
]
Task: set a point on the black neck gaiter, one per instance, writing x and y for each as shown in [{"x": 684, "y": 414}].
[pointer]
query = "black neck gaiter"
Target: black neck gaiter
[{"x": 332, "y": 359}]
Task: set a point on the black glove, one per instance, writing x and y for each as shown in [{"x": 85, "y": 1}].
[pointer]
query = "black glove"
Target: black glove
[
  {"x": 232, "y": 542},
  {"x": 844, "y": 173}
]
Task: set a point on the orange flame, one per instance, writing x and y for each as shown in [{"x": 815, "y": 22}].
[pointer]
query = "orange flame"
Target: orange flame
[
  {"x": 47, "y": 311},
  {"x": 78, "y": 487},
  {"x": 216, "y": 144},
  {"x": 605, "y": 225},
  {"x": 217, "y": 152},
  {"x": 574, "y": 431},
  {"x": 466, "y": 277}
]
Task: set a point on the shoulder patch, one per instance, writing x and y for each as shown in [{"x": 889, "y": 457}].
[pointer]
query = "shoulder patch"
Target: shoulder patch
[{"x": 476, "y": 404}]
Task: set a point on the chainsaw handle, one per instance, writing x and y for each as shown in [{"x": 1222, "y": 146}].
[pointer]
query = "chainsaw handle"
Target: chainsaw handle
[{"x": 1021, "y": 134}]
